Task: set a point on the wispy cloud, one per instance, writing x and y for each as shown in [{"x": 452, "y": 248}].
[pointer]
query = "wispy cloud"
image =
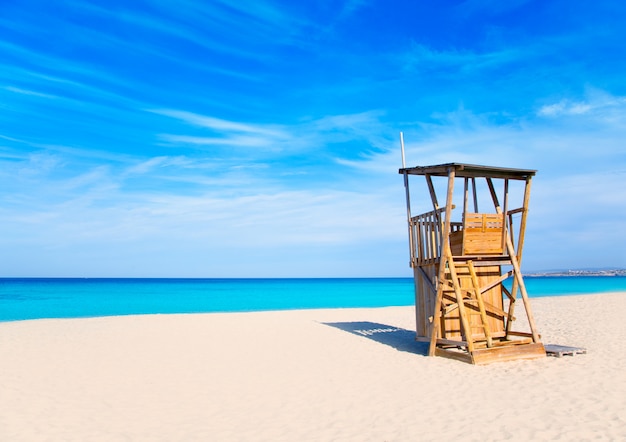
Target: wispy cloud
[
  {"x": 28, "y": 92},
  {"x": 218, "y": 124},
  {"x": 425, "y": 59},
  {"x": 598, "y": 103},
  {"x": 305, "y": 135},
  {"x": 239, "y": 141}
]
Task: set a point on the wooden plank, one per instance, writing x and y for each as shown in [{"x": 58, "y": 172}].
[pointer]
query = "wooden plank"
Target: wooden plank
[
  {"x": 425, "y": 291},
  {"x": 514, "y": 342},
  {"x": 500, "y": 280},
  {"x": 510, "y": 353},
  {"x": 441, "y": 341},
  {"x": 484, "y": 261},
  {"x": 519, "y": 333},
  {"x": 453, "y": 354}
]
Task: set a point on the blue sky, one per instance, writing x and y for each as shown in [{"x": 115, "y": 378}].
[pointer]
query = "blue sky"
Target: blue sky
[{"x": 260, "y": 138}]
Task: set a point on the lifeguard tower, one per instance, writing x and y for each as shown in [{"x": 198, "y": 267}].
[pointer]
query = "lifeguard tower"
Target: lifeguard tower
[{"x": 463, "y": 308}]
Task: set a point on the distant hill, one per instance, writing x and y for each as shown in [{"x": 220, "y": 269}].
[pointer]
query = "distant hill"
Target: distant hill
[{"x": 595, "y": 272}]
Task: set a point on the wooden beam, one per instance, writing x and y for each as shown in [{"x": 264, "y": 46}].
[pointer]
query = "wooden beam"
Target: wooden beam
[
  {"x": 499, "y": 281},
  {"x": 465, "y": 193},
  {"x": 446, "y": 258},
  {"x": 520, "y": 246},
  {"x": 453, "y": 354},
  {"x": 522, "y": 287},
  {"x": 505, "y": 229},
  {"x": 433, "y": 194},
  {"x": 481, "y": 304},
  {"x": 427, "y": 279},
  {"x": 522, "y": 228},
  {"x": 508, "y": 353},
  {"x": 441, "y": 341},
  {"x": 475, "y": 196},
  {"x": 494, "y": 195}
]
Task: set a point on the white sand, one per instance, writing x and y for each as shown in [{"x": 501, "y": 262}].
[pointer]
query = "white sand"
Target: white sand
[{"x": 289, "y": 376}]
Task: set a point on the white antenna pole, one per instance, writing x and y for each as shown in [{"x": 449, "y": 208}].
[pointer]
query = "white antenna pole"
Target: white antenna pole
[
  {"x": 408, "y": 204},
  {"x": 402, "y": 147}
]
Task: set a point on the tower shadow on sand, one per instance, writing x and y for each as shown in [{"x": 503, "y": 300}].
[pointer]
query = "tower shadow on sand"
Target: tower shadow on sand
[{"x": 398, "y": 338}]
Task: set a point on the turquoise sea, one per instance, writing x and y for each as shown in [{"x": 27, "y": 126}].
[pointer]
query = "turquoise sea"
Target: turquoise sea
[{"x": 36, "y": 298}]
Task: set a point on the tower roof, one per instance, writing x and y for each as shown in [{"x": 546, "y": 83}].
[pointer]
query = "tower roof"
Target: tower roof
[{"x": 470, "y": 171}]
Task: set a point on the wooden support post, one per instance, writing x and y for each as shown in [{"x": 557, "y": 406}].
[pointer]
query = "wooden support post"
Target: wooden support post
[
  {"x": 446, "y": 257},
  {"x": 518, "y": 253},
  {"x": 522, "y": 227},
  {"x": 433, "y": 197},
  {"x": 481, "y": 303},
  {"x": 522, "y": 287},
  {"x": 474, "y": 194},
  {"x": 494, "y": 195},
  {"x": 505, "y": 228},
  {"x": 465, "y": 196}
]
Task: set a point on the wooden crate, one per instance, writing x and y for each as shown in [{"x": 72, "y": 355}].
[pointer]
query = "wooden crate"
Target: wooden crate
[{"x": 482, "y": 234}]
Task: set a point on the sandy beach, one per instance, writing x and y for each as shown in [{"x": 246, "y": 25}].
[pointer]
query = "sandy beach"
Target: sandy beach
[{"x": 313, "y": 375}]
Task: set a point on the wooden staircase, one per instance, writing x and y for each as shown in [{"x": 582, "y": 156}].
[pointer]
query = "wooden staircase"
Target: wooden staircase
[
  {"x": 471, "y": 326},
  {"x": 462, "y": 281}
]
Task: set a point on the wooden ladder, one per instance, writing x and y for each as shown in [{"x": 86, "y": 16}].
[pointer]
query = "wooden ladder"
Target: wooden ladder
[{"x": 468, "y": 300}]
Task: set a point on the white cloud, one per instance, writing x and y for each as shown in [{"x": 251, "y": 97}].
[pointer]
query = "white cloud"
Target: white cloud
[
  {"x": 423, "y": 58},
  {"x": 310, "y": 135},
  {"x": 18, "y": 90},
  {"x": 220, "y": 125},
  {"x": 239, "y": 141},
  {"x": 597, "y": 103}
]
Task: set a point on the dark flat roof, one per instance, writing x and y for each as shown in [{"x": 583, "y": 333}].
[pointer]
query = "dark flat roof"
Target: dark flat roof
[{"x": 470, "y": 171}]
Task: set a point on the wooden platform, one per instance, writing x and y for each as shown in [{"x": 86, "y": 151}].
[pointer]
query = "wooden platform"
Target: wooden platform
[
  {"x": 495, "y": 354},
  {"x": 560, "y": 350}
]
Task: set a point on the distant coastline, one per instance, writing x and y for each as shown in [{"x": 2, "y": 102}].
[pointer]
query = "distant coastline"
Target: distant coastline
[{"x": 559, "y": 273}]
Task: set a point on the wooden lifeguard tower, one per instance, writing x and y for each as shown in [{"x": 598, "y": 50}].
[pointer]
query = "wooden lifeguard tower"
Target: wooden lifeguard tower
[{"x": 463, "y": 308}]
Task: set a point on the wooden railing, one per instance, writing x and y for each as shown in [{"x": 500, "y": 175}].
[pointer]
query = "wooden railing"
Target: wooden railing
[{"x": 426, "y": 234}]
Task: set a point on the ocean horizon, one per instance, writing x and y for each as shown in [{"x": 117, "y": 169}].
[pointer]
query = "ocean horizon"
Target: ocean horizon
[{"x": 47, "y": 298}]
